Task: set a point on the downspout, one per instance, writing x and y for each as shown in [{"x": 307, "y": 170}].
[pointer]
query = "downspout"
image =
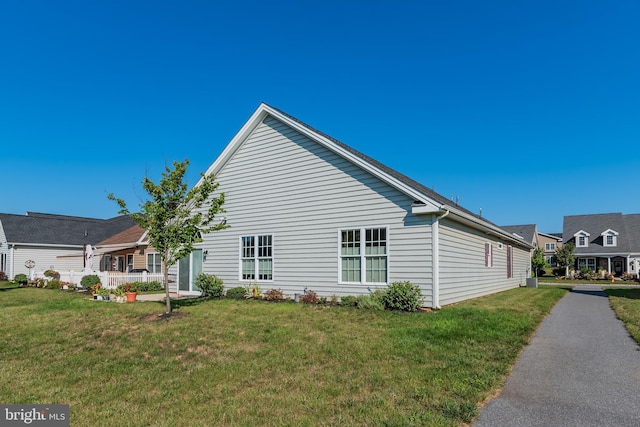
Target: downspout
[
  {"x": 435, "y": 258},
  {"x": 12, "y": 261}
]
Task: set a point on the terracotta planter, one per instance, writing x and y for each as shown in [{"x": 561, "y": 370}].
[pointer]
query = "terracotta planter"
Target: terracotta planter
[{"x": 131, "y": 296}]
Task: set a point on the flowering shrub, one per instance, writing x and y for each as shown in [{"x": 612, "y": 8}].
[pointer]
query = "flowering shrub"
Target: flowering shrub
[
  {"x": 253, "y": 291},
  {"x": 3, "y": 276},
  {"x": 52, "y": 274}
]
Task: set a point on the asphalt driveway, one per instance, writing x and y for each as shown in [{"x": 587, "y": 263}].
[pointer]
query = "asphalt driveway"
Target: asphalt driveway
[{"x": 581, "y": 369}]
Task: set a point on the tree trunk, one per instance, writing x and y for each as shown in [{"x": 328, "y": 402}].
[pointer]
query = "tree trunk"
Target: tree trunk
[{"x": 166, "y": 285}]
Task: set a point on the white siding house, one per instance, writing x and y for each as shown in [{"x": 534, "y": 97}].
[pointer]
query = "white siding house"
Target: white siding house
[
  {"x": 307, "y": 211},
  {"x": 48, "y": 240}
]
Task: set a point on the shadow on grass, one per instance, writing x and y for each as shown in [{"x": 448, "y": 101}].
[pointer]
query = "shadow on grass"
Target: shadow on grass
[
  {"x": 182, "y": 302},
  {"x": 8, "y": 286},
  {"x": 624, "y": 293}
]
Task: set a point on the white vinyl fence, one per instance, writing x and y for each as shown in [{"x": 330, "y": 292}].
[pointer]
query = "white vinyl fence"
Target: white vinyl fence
[{"x": 108, "y": 279}]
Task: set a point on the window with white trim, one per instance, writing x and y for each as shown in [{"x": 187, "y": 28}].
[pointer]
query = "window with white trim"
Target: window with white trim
[
  {"x": 364, "y": 266},
  {"x": 549, "y": 246},
  {"x": 154, "y": 263},
  {"x": 256, "y": 257},
  {"x": 609, "y": 238},
  {"x": 582, "y": 239},
  {"x": 587, "y": 262}
]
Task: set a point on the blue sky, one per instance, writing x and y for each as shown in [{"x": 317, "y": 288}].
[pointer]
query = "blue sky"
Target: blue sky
[{"x": 529, "y": 110}]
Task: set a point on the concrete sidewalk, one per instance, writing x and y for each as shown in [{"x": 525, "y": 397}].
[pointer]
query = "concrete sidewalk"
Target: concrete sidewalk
[{"x": 581, "y": 369}]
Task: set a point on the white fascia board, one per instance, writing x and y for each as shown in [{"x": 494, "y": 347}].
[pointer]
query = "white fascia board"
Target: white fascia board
[
  {"x": 488, "y": 228},
  {"x": 43, "y": 245},
  {"x": 256, "y": 118},
  {"x": 264, "y": 110},
  {"x": 602, "y": 255},
  {"x": 559, "y": 239},
  {"x": 427, "y": 208},
  {"x": 327, "y": 143},
  {"x": 609, "y": 231},
  {"x": 581, "y": 233}
]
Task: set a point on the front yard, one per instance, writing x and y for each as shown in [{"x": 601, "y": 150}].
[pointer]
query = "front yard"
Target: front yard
[{"x": 229, "y": 362}]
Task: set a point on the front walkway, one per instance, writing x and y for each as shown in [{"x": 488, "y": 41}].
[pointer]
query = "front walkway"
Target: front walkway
[{"x": 581, "y": 369}]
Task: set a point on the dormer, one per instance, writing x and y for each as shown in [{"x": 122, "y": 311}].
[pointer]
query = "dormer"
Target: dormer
[
  {"x": 582, "y": 239},
  {"x": 609, "y": 238}
]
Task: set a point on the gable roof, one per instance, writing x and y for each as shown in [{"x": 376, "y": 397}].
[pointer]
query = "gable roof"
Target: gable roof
[
  {"x": 555, "y": 236},
  {"x": 51, "y": 229},
  {"x": 528, "y": 232},
  {"x": 427, "y": 201},
  {"x": 132, "y": 235},
  {"x": 628, "y": 227}
]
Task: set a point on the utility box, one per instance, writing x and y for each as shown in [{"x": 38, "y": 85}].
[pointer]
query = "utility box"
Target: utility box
[{"x": 532, "y": 282}]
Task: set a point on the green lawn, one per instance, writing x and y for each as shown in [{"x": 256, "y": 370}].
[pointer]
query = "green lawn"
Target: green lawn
[
  {"x": 250, "y": 363},
  {"x": 626, "y": 304},
  {"x": 600, "y": 282}
]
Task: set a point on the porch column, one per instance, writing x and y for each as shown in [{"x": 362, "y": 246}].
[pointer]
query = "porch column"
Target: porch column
[{"x": 609, "y": 265}]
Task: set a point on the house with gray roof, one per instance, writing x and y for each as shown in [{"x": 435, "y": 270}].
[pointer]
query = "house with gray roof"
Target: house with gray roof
[
  {"x": 526, "y": 232},
  {"x": 309, "y": 212},
  {"x": 608, "y": 241},
  {"x": 51, "y": 241}
]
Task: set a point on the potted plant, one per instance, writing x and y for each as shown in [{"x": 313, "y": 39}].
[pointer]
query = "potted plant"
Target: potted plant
[
  {"x": 130, "y": 291},
  {"x": 94, "y": 290}
]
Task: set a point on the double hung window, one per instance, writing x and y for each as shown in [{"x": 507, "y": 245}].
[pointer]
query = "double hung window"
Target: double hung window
[
  {"x": 256, "y": 254},
  {"x": 364, "y": 255}
]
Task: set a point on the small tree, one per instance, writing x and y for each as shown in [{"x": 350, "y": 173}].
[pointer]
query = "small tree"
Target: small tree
[
  {"x": 565, "y": 256},
  {"x": 174, "y": 217},
  {"x": 538, "y": 262}
]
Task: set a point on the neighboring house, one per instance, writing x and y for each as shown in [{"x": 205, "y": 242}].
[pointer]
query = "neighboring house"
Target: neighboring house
[
  {"x": 48, "y": 239},
  {"x": 530, "y": 234},
  {"x": 128, "y": 250},
  {"x": 609, "y": 241},
  {"x": 308, "y": 212},
  {"x": 549, "y": 243},
  {"x": 527, "y": 232}
]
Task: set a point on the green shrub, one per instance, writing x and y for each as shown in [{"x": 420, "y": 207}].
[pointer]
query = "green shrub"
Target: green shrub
[
  {"x": 210, "y": 285},
  {"x": 88, "y": 281},
  {"x": 53, "y": 284},
  {"x": 236, "y": 293},
  {"x": 274, "y": 295},
  {"x": 310, "y": 297},
  {"x": 348, "y": 301},
  {"x": 373, "y": 301},
  {"x": 402, "y": 296},
  {"x": 148, "y": 286},
  {"x": 559, "y": 271},
  {"x": 20, "y": 279}
]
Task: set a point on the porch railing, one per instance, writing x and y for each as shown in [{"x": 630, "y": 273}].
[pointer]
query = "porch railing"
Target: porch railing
[{"x": 108, "y": 279}]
